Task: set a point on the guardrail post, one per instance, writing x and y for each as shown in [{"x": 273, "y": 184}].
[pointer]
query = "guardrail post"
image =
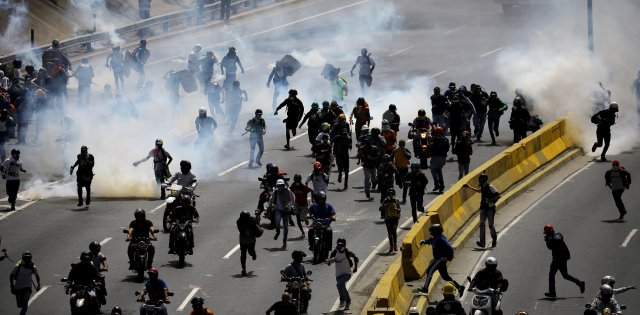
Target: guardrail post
[
  {"x": 165, "y": 26},
  {"x": 33, "y": 38}
]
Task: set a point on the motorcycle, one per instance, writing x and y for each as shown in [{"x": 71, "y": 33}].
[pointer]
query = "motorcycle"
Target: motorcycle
[
  {"x": 140, "y": 255},
  {"x": 150, "y": 307},
  {"x": 322, "y": 239},
  {"x": 83, "y": 298},
  {"x": 591, "y": 311},
  {"x": 182, "y": 245},
  {"x": 175, "y": 193},
  {"x": 422, "y": 145},
  {"x": 481, "y": 303},
  {"x": 269, "y": 212},
  {"x": 295, "y": 286}
]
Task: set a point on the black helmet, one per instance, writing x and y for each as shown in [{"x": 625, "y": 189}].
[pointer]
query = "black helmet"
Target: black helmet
[
  {"x": 341, "y": 241},
  {"x": 321, "y": 196},
  {"x": 493, "y": 93},
  {"x": 360, "y": 101},
  {"x": 293, "y": 92},
  {"x": 517, "y": 101},
  {"x": 391, "y": 191},
  {"x": 245, "y": 214},
  {"x": 139, "y": 214},
  {"x": 436, "y": 229},
  {"x": 258, "y": 111},
  {"x": 392, "y": 107},
  {"x": 232, "y": 49},
  {"x": 268, "y": 167},
  {"x": 483, "y": 178},
  {"x": 27, "y": 256},
  {"x": 185, "y": 164},
  {"x": 422, "y": 113},
  {"x": 606, "y": 292},
  {"x": 55, "y": 43},
  {"x": 375, "y": 131},
  {"x": 143, "y": 42},
  {"x": 85, "y": 256},
  {"x": 452, "y": 85},
  {"x": 116, "y": 311},
  {"x": 275, "y": 169},
  {"x": 197, "y": 301},
  {"x": 95, "y": 247},
  {"x": 297, "y": 178},
  {"x": 298, "y": 255},
  {"x": 436, "y": 90}
]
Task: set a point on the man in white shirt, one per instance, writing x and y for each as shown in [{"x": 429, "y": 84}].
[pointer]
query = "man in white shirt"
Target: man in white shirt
[
  {"x": 10, "y": 170},
  {"x": 21, "y": 282},
  {"x": 345, "y": 260}
]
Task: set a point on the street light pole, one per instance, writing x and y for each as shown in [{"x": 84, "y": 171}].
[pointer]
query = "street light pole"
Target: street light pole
[{"x": 590, "y": 24}]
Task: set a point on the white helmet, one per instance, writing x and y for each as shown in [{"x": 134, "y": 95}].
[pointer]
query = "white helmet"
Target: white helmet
[
  {"x": 608, "y": 280},
  {"x": 197, "y": 47},
  {"x": 280, "y": 182},
  {"x": 202, "y": 111},
  {"x": 491, "y": 262}
]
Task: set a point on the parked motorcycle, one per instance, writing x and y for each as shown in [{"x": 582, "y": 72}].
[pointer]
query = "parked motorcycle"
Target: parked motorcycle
[
  {"x": 150, "y": 307},
  {"x": 322, "y": 242},
  {"x": 141, "y": 254},
  {"x": 83, "y": 298},
  {"x": 295, "y": 287}
]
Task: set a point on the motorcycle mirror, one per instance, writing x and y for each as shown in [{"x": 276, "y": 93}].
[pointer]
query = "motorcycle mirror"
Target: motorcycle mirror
[
  {"x": 125, "y": 231},
  {"x": 623, "y": 307},
  {"x": 410, "y": 124},
  {"x": 309, "y": 273},
  {"x": 63, "y": 279},
  {"x": 170, "y": 293},
  {"x": 137, "y": 293}
]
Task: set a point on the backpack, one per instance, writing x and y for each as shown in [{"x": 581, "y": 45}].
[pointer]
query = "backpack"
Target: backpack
[{"x": 595, "y": 118}]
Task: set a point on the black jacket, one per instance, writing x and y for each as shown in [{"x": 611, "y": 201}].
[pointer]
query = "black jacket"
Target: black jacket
[{"x": 555, "y": 242}]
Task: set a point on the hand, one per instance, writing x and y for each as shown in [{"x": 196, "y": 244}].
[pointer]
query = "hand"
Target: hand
[
  {"x": 275, "y": 113},
  {"x": 351, "y": 73},
  {"x": 355, "y": 270},
  {"x": 135, "y": 164},
  {"x": 71, "y": 171}
]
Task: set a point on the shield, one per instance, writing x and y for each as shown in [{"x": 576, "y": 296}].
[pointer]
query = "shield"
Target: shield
[
  {"x": 290, "y": 65},
  {"x": 187, "y": 80}
]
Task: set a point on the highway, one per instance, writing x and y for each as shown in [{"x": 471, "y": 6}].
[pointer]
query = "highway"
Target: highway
[{"x": 409, "y": 40}]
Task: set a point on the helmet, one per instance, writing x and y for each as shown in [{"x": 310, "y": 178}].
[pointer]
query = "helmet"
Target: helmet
[
  {"x": 293, "y": 92},
  {"x": 439, "y": 130},
  {"x": 280, "y": 182},
  {"x": 325, "y": 127},
  {"x": 375, "y": 131},
  {"x": 491, "y": 262},
  {"x": 139, "y": 214},
  {"x": 84, "y": 147},
  {"x": 197, "y": 46},
  {"x": 365, "y": 130},
  {"x": 116, "y": 311},
  {"x": 609, "y": 280},
  {"x": 415, "y": 165},
  {"x": 436, "y": 229},
  {"x": 15, "y": 152},
  {"x": 245, "y": 214},
  {"x": 315, "y": 105},
  {"x": 153, "y": 271},
  {"x": 342, "y": 117},
  {"x": 334, "y": 104},
  {"x": 55, "y": 43},
  {"x": 298, "y": 255},
  {"x": 85, "y": 256},
  {"x": 360, "y": 101},
  {"x": 391, "y": 192},
  {"x": 27, "y": 256},
  {"x": 185, "y": 164},
  {"x": 392, "y": 107},
  {"x": 258, "y": 111},
  {"x": 363, "y": 51},
  {"x": 202, "y": 111},
  {"x": 436, "y": 90},
  {"x": 268, "y": 167},
  {"x": 321, "y": 196},
  {"x": 209, "y": 53},
  {"x": 452, "y": 85},
  {"x": 615, "y": 163},
  {"x": 325, "y": 104},
  {"x": 522, "y": 312},
  {"x": 197, "y": 301},
  {"x": 422, "y": 113},
  {"x": 517, "y": 101},
  {"x": 548, "y": 229},
  {"x": 159, "y": 142},
  {"x": 232, "y": 49},
  {"x": 297, "y": 178},
  {"x": 95, "y": 247},
  {"x": 613, "y": 106},
  {"x": 341, "y": 241},
  {"x": 449, "y": 289},
  {"x": 493, "y": 93},
  {"x": 274, "y": 169},
  {"x": 606, "y": 291},
  {"x": 317, "y": 165},
  {"x": 483, "y": 178}
]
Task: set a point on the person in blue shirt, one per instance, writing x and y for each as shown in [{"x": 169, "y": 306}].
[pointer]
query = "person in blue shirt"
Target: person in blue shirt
[
  {"x": 157, "y": 290},
  {"x": 321, "y": 210},
  {"x": 442, "y": 252}
]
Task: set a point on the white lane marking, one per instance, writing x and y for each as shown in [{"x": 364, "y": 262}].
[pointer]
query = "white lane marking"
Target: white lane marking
[
  {"x": 300, "y": 135},
  {"x": 235, "y": 249},
  {"x": 491, "y": 52},
  {"x": 631, "y": 234},
  {"x": 438, "y": 74},
  {"x": 364, "y": 264},
  {"x": 158, "y": 207},
  {"x": 523, "y": 214},
  {"x": 226, "y": 43},
  {"x": 105, "y": 241},
  {"x": 234, "y": 168},
  {"x": 247, "y": 69},
  {"x": 400, "y": 51},
  {"x": 187, "y": 300},
  {"x": 35, "y": 296},
  {"x": 455, "y": 29},
  {"x": 357, "y": 169},
  {"x": 7, "y": 214}
]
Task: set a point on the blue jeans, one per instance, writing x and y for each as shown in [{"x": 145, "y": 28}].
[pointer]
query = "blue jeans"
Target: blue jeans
[
  {"x": 487, "y": 214},
  {"x": 284, "y": 216},
  {"x": 253, "y": 141},
  {"x": 159, "y": 180},
  {"x": 441, "y": 121},
  {"x": 437, "y": 163},
  {"x": 369, "y": 177},
  {"x": 341, "y": 283}
]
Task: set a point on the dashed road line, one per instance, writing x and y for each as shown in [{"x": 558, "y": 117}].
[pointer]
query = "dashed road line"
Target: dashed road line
[
  {"x": 438, "y": 74},
  {"x": 491, "y": 52},
  {"x": 35, "y": 296},
  {"x": 105, "y": 241},
  {"x": 455, "y": 29},
  {"x": 187, "y": 299},
  {"x": 355, "y": 170},
  {"x": 400, "y": 51},
  {"x": 234, "y": 168},
  {"x": 626, "y": 240},
  {"x": 235, "y": 249},
  {"x": 158, "y": 207}
]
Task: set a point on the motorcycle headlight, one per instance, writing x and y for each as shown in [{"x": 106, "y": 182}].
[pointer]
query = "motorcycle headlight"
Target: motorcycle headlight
[
  {"x": 295, "y": 286},
  {"x": 80, "y": 302},
  {"x": 149, "y": 307},
  {"x": 480, "y": 301},
  {"x": 142, "y": 246}
]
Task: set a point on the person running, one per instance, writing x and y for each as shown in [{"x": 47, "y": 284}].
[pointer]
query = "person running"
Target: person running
[
  {"x": 604, "y": 119},
  {"x": 442, "y": 252},
  {"x": 312, "y": 118},
  {"x": 390, "y": 210},
  {"x": 257, "y": 128},
  {"x": 318, "y": 179},
  {"x": 489, "y": 197},
  {"x": 618, "y": 179},
  {"x": 295, "y": 111},
  {"x": 367, "y": 65},
  {"x": 439, "y": 150},
  {"x": 283, "y": 201},
  {"x": 161, "y": 161},
  {"x": 496, "y": 109},
  {"x": 85, "y": 163},
  {"x": 401, "y": 158},
  {"x": 10, "y": 170},
  {"x": 346, "y": 265},
  {"x": 416, "y": 182},
  {"x": 21, "y": 281},
  {"x": 464, "y": 150},
  {"x": 301, "y": 206},
  {"x": 560, "y": 255},
  {"x": 249, "y": 231}
]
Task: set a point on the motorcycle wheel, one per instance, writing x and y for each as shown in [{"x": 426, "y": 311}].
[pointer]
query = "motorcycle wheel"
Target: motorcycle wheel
[
  {"x": 140, "y": 277},
  {"x": 424, "y": 162},
  {"x": 181, "y": 260},
  {"x": 165, "y": 220},
  {"x": 317, "y": 250}
]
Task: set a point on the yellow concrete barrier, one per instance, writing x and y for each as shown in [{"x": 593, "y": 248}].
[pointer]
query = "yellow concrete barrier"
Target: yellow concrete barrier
[{"x": 391, "y": 296}]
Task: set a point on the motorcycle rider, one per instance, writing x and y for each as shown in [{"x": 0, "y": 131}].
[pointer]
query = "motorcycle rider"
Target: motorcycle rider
[
  {"x": 297, "y": 269},
  {"x": 84, "y": 273},
  {"x": 390, "y": 212},
  {"x": 205, "y": 126},
  {"x": 611, "y": 281},
  {"x": 439, "y": 149},
  {"x": 560, "y": 255},
  {"x": 362, "y": 115},
  {"x": 421, "y": 122},
  {"x": 321, "y": 210},
  {"x": 519, "y": 120},
  {"x": 312, "y": 118},
  {"x": 184, "y": 178},
  {"x": 366, "y": 69},
  {"x": 283, "y": 201},
  {"x": 184, "y": 212},
  {"x": 489, "y": 197},
  {"x": 391, "y": 115},
  {"x": 389, "y": 136},
  {"x": 161, "y": 161},
  {"x": 295, "y": 111},
  {"x": 489, "y": 277},
  {"x": 21, "y": 281},
  {"x": 346, "y": 264},
  {"x": 603, "y": 301},
  {"x": 85, "y": 163},
  {"x": 99, "y": 261},
  {"x": 449, "y": 304},
  {"x": 604, "y": 119},
  {"x": 301, "y": 205},
  {"x": 158, "y": 292},
  {"x": 442, "y": 252},
  {"x": 416, "y": 182},
  {"x": 197, "y": 303},
  {"x": 141, "y": 228},
  {"x": 257, "y": 128}
]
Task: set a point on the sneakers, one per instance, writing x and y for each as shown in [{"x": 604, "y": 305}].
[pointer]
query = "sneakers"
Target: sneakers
[
  {"x": 494, "y": 243},
  {"x": 244, "y": 273},
  {"x": 582, "y": 286},
  {"x": 550, "y": 294},
  {"x": 497, "y": 133},
  {"x": 594, "y": 147},
  {"x": 277, "y": 234},
  {"x": 254, "y": 256},
  {"x": 367, "y": 195},
  {"x": 342, "y": 305},
  {"x": 284, "y": 245},
  {"x": 603, "y": 159},
  {"x": 250, "y": 165},
  {"x": 346, "y": 305},
  {"x": 622, "y": 216},
  {"x": 286, "y": 146},
  {"x": 259, "y": 164},
  {"x": 480, "y": 244},
  {"x": 395, "y": 247},
  {"x": 461, "y": 291},
  {"x": 80, "y": 204}
]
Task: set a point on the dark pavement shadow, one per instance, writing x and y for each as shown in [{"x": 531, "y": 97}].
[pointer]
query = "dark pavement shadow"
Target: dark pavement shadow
[
  {"x": 378, "y": 222},
  {"x": 478, "y": 249},
  {"x": 559, "y": 298},
  {"x": 275, "y": 249},
  {"x": 78, "y": 209},
  {"x": 613, "y": 221},
  {"x": 250, "y": 274},
  {"x": 133, "y": 278},
  {"x": 364, "y": 200},
  {"x": 175, "y": 264},
  {"x": 357, "y": 187},
  {"x": 299, "y": 238},
  {"x": 385, "y": 254}
]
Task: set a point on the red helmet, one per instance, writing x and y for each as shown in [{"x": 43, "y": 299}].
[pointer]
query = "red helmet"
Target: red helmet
[
  {"x": 548, "y": 229},
  {"x": 439, "y": 130},
  {"x": 153, "y": 271},
  {"x": 317, "y": 165},
  {"x": 615, "y": 163}
]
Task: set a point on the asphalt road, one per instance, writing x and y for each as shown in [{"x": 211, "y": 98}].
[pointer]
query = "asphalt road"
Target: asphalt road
[{"x": 413, "y": 46}]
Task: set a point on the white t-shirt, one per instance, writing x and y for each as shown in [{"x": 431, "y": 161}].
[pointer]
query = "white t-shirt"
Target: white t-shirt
[
  {"x": 342, "y": 264},
  {"x": 319, "y": 182},
  {"x": 185, "y": 180},
  {"x": 12, "y": 168}
]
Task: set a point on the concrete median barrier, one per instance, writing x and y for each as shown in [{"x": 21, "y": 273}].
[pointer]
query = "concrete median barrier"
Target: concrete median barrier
[{"x": 391, "y": 296}]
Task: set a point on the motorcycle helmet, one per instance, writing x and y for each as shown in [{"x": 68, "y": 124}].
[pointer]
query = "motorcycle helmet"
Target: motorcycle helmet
[
  {"x": 202, "y": 111},
  {"x": 613, "y": 106},
  {"x": 615, "y": 163},
  {"x": 375, "y": 131},
  {"x": 325, "y": 127},
  {"x": 491, "y": 263},
  {"x": 391, "y": 192},
  {"x": 197, "y": 302},
  {"x": 436, "y": 90},
  {"x": 95, "y": 247},
  {"x": 139, "y": 214},
  {"x": 342, "y": 117},
  {"x": 317, "y": 165},
  {"x": 27, "y": 257},
  {"x": 197, "y": 47},
  {"x": 280, "y": 182},
  {"x": 606, "y": 292},
  {"x": 609, "y": 280},
  {"x": 268, "y": 167},
  {"x": 325, "y": 105},
  {"x": 365, "y": 130},
  {"x": 449, "y": 289},
  {"x": 452, "y": 86},
  {"x": 143, "y": 43},
  {"x": 153, "y": 271},
  {"x": 297, "y": 178},
  {"x": 85, "y": 256},
  {"x": 548, "y": 229},
  {"x": 392, "y": 107},
  {"x": 493, "y": 94},
  {"x": 360, "y": 101},
  {"x": 258, "y": 111},
  {"x": 517, "y": 102},
  {"x": 298, "y": 255},
  {"x": 483, "y": 178},
  {"x": 422, "y": 113},
  {"x": 186, "y": 165},
  {"x": 275, "y": 169},
  {"x": 293, "y": 92},
  {"x": 363, "y": 51},
  {"x": 415, "y": 165},
  {"x": 341, "y": 242},
  {"x": 439, "y": 130},
  {"x": 245, "y": 214},
  {"x": 159, "y": 142},
  {"x": 116, "y": 311},
  {"x": 321, "y": 197},
  {"x": 436, "y": 229}
]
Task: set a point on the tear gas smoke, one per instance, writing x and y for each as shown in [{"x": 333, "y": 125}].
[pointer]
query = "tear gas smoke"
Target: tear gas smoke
[{"x": 14, "y": 14}]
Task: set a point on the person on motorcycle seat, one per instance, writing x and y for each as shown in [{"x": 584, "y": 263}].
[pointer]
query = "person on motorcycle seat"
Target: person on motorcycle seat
[
  {"x": 83, "y": 273},
  {"x": 99, "y": 261},
  {"x": 184, "y": 212},
  {"x": 197, "y": 303},
  {"x": 157, "y": 290},
  {"x": 319, "y": 180},
  {"x": 272, "y": 175},
  {"x": 449, "y": 304},
  {"x": 603, "y": 301},
  {"x": 184, "y": 178},
  {"x": 297, "y": 269},
  {"x": 422, "y": 121},
  {"x": 611, "y": 281},
  {"x": 489, "y": 277},
  {"x": 321, "y": 210},
  {"x": 143, "y": 229}
]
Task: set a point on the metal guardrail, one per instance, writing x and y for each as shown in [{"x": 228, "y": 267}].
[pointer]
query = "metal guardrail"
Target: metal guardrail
[{"x": 141, "y": 28}]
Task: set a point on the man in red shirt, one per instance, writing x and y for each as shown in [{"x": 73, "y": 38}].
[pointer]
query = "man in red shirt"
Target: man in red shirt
[{"x": 301, "y": 192}]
